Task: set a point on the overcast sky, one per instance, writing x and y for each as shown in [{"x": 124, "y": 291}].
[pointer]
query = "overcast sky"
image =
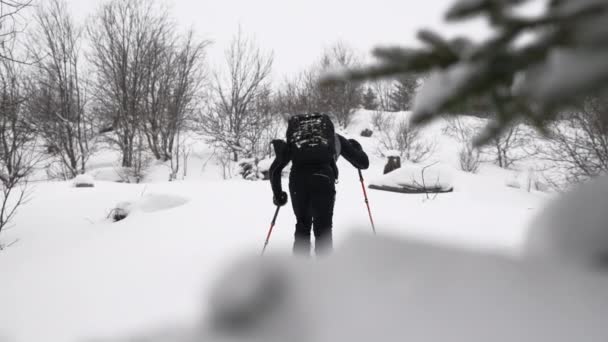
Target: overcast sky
[{"x": 298, "y": 30}]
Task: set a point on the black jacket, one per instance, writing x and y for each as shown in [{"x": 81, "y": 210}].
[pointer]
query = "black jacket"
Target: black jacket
[{"x": 352, "y": 153}]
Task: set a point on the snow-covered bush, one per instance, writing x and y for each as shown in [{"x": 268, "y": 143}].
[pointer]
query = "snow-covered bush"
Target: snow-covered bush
[
  {"x": 84, "y": 181},
  {"x": 249, "y": 170}
]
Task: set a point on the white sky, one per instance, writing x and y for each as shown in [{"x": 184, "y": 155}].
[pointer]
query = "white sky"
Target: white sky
[{"x": 298, "y": 30}]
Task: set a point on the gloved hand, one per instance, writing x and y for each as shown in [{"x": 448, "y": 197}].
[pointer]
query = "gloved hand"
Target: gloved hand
[
  {"x": 280, "y": 200},
  {"x": 355, "y": 144}
]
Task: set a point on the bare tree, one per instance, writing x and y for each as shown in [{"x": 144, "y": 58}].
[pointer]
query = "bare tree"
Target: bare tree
[
  {"x": 237, "y": 115},
  {"x": 175, "y": 77},
  {"x": 304, "y": 94},
  {"x": 17, "y": 154},
  {"x": 398, "y": 135},
  {"x": 383, "y": 89},
  {"x": 58, "y": 92},
  {"x": 125, "y": 33},
  {"x": 578, "y": 145},
  {"x": 343, "y": 99},
  {"x": 9, "y": 25},
  {"x": 294, "y": 96}
]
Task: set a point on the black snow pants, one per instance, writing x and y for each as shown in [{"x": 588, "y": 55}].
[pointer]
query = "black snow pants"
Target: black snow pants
[{"x": 313, "y": 195}]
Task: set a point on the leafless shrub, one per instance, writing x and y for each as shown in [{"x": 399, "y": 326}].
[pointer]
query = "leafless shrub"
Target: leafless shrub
[
  {"x": 57, "y": 91},
  {"x": 304, "y": 94},
  {"x": 240, "y": 110},
  {"x": 126, "y": 34},
  {"x": 18, "y": 156},
  {"x": 469, "y": 156},
  {"x": 578, "y": 145},
  {"x": 340, "y": 100},
  {"x": 398, "y": 135},
  {"x": 11, "y": 24},
  {"x": 174, "y": 79},
  {"x": 383, "y": 89},
  {"x": 516, "y": 144}
]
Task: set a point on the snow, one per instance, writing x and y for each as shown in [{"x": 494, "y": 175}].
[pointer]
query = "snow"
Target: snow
[
  {"x": 573, "y": 229},
  {"x": 264, "y": 164},
  {"x": 75, "y": 275},
  {"x": 152, "y": 203},
  {"x": 438, "y": 294}
]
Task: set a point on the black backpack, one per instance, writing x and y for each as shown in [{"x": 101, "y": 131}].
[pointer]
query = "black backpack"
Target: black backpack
[{"x": 312, "y": 139}]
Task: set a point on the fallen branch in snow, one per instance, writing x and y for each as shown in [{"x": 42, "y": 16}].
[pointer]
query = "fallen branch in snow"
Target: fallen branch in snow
[
  {"x": 425, "y": 189},
  {"x": 2, "y": 247},
  {"x": 411, "y": 190}
]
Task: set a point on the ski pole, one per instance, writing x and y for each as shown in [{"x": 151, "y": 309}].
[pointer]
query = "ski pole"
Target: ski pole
[
  {"x": 274, "y": 221},
  {"x": 369, "y": 211}
]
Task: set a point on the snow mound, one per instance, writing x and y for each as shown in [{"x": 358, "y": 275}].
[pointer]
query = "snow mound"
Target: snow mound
[
  {"x": 385, "y": 289},
  {"x": 416, "y": 178},
  {"x": 264, "y": 164},
  {"x": 151, "y": 203},
  {"x": 84, "y": 181},
  {"x": 107, "y": 174},
  {"x": 573, "y": 228}
]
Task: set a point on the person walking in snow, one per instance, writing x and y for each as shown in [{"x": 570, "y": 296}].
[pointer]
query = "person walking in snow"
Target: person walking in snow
[{"x": 313, "y": 148}]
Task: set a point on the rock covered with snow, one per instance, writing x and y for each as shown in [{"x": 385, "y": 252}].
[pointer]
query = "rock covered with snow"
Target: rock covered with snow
[
  {"x": 148, "y": 204},
  {"x": 391, "y": 153},
  {"x": 574, "y": 228},
  {"x": 84, "y": 181}
]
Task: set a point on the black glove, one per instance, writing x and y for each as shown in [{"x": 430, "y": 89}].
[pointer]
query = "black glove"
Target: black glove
[
  {"x": 355, "y": 144},
  {"x": 280, "y": 200}
]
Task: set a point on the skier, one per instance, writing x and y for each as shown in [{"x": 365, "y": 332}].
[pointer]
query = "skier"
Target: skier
[{"x": 313, "y": 147}]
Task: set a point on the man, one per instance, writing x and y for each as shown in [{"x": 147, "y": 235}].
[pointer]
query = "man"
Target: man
[{"x": 312, "y": 179}]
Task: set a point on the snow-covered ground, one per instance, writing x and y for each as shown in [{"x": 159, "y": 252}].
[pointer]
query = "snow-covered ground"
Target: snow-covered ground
[{"x": 74, "y": 274}]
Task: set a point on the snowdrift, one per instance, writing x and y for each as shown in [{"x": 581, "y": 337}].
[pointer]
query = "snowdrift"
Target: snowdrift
[
  {"x": 386, "y": 289},
  {"x": 415, "y": 179},
  {"x": 148, "y": 204}
]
